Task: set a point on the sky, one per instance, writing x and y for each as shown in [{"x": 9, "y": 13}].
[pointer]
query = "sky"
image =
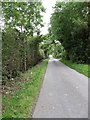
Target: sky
[{"x": 48, "y": 4}]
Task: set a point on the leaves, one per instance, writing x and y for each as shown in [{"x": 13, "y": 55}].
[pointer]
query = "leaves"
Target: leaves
[
  {"x": 24, "y": 15},
  {"x": 69, "y": 26},
  {"x": 20, "y": 47}
]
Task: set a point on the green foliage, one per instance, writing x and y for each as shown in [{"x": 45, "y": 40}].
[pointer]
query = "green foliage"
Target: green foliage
[
  {"x": 20, "y": 104},
  {"x": 11, "y": 52},
  {"x": 34, "y": 40},
  {"x": 15, "y": 51},
  {"x": 88, "y": 32},
  {"x": 20, "y": 46},
  {"x": 45, "y": 44},
  {"x": 58, "y": 49},
  {"x": 64, "y": 54},
  {"x": 50, "y": 46},
  {"x": 69, "y": 26},
  {"x": 25, "y": 16}
]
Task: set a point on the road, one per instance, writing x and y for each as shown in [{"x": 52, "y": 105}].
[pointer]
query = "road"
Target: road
[{"x": 64, "y": 93}]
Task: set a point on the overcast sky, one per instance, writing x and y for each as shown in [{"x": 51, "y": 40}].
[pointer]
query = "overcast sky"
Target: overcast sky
[{"x": 48, "y": 4}]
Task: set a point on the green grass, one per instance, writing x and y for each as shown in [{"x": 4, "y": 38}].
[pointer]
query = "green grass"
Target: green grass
[
  {"x": 81, "y": 68},
  {"x": 20, "y": 104}
]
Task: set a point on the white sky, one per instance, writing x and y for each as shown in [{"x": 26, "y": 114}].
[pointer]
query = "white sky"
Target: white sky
[{"x": 48, "y": 4}]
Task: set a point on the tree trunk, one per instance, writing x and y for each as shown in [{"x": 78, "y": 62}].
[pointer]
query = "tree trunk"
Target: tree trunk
[
  {"x": 25, "y": 62},
  {"x": 67, "y": 56},
  {"x": 45, "y": 52}
]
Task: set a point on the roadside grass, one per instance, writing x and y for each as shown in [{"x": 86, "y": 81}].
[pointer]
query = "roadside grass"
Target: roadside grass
[
  {"x": 81, "y": 68},
  {"x": 20, "y": 104}
]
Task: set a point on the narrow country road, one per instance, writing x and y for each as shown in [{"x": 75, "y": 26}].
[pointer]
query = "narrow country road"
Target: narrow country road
[{"x": 64, "y": 93}]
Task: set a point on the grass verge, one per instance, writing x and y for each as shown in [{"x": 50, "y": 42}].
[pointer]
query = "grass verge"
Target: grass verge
[
  {"x": 81, "y": 68},
  {"x": 20, "y": 104}
]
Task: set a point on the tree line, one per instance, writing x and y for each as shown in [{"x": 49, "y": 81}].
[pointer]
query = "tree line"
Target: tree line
[
  {"x": 20, "y": 37},
  {"x": 69, "y": 25}
]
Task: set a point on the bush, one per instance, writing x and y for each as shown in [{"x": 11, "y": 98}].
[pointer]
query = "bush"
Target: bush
[
  {"x": 18, "y": 52},
  {"x": 64, "y": 54}
]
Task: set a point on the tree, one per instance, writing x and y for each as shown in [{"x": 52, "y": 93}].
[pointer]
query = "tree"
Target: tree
[
  {"x": 50, "y": 46},
  {"x": 69, "y": 25},
  {"x": 25, "y": 16},
  {"x": 20, "y": 46}
]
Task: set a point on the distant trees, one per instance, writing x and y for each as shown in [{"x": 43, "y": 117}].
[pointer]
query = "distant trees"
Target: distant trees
[
  {"x": 51, "y": 46},
  {"x": 45, "y": 44},
  {"x": 69, "y": 24},
  {"x": 20, "y": 46}
]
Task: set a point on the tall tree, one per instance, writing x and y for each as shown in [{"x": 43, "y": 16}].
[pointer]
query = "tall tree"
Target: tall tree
[
  {"x": 20, "y": 47},
  {"x": 69, "y": 25},
  {"x": 25, "y": 17}
]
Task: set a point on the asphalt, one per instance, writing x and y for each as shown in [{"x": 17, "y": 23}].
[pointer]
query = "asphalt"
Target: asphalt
[{"x": 64, "y": 93}]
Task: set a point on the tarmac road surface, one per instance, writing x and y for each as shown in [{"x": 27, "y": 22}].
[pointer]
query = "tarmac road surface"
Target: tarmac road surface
[{"x": 64, "y": 93}]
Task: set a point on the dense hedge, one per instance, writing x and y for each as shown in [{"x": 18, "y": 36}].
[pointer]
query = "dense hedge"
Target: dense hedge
[{"x": 18, "y": 52}]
